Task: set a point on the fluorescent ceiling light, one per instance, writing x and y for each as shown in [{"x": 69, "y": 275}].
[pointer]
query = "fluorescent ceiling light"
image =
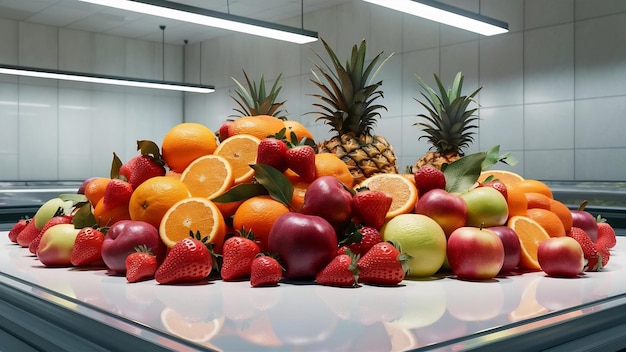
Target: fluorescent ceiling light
[
  {"x": 104, "y": 79},
  {"x": 192, "y": 14},
  {"x": 447, "y": 14}
]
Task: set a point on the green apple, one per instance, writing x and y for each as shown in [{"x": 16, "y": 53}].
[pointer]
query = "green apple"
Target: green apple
[
  {"x": 55, "y": 248},
  {"x": 486, "y": 207},
  {"x": 48, "y": 209}
]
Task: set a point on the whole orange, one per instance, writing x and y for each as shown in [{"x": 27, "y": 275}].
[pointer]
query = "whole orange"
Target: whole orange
[
  {"x": 297, "y": 128},
  {"x": 185, "y": 143},
  {"x": 328, "y": 164},
  {"x": 153, "y": 198},
  {"x": 257, "y": 214},
  {"x": 108, "y": 216},
  {"x": 94, "y": 190},
  {"x": 259, "y": 126},
  {"x": 548, "y": 220}
]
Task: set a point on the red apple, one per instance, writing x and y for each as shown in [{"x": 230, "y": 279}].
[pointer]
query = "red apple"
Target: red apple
[
  {"x": 224, "y": 131},
  {"x": 561, "y": 257},
  {"x": 586, "y": 221},
  {"x": 327, "y": 197},
  {"x": 512, "y": 247},
  {"x": 123, "y": 237},
  {"x": 305, "y": 244},
  {"x": 475, "y": 253},
  {"x": 486, "y": 207},
  {"x": 447, "y": 209},
  {"x": 55, "y": 247}
]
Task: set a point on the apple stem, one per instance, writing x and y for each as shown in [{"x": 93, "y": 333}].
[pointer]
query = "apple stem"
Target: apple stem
[{"x": 583, "y": 205}]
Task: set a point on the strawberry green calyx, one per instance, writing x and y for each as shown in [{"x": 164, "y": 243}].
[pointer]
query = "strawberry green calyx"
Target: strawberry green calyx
[
  {"x": 403, "y": 257},
  {"x": 143, "y": 249}
]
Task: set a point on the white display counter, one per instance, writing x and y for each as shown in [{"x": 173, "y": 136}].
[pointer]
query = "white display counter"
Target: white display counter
[{"x": 61, "y": 307}]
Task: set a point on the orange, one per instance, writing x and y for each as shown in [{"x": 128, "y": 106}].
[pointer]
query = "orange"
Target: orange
[
  {"x": 153, "y": 198},
  {"x": 534, "y": 186},
  {"x": 538, "y": 200},
  {"x": 259, "y": 126},
  {"x": 208, "y": 176},
  {"x": 240, "y": 151},
  {"x": 530, "y": 234},
  {"x": 257, "y": 214},
  {"x": 297, "y": 128},
  {"x": 190, "y": 216},
  {"x": 516, "y": 201},
  {"x": 563, "y": 212},
  {"x": 299, "y": 190},
  {"x": 109, "y": 216},
  {"x": 548, "y": 220},
  {"x": 94, "y": 190},
  {"x": 228, "y": 209},
  {"x": 328, "y": 164},
  {"x": 174, "y": 174},
  {"x": 403, "y": 192},
  {"x": 506, "y": 177},
  {"x": 185, "y": 143}
]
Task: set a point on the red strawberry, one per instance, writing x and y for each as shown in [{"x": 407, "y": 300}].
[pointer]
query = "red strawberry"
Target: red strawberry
[
  {"x": 361, "y": 240},
  {"x": 188, "y": 260},
  {"x": 429, "y": 177},
  {"x": 606, "y": 233},
  {"x": 384, "y": 264},
  {"x": 117, "y": 193},
  {"x": 272, "y": 152},
  {"x": 224, "y": 131},
  {"x": 498, "y": 186},
  {"x": 141, "y": 168},
  {"x": 265, "y": 271},
  {"x": 238, "y": 253},
  {"x": 87, "y": 247},
  {"x": 594, "y": 260},
  {"x": 301, "y": 159},
  {"x": 55, "y": 220},
  {"x": 141, "y": 265},
  {"x": 28, "y": 234},
  {"x": 371, "y": 207},
  {"x": 341, "y": 271},
  {"x": 605, "y": 253},
  {"x": 17, "y": 228}
]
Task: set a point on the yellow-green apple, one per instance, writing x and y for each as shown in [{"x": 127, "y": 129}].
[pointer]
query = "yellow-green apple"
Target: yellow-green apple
[
  {"x": 328, "y": 198},
  {"x": 486, "y": 207},
  {"x": 55, "y": 247},
  {"x": 123, "y": 237},
  {"x": 304, "y": 243},
  {"x": 49, "y": 209},
  {"x": 447, "y": 209},
  {"x": 561, "y": 257},
  {"x": 475, "y": 253},
  {"x": 512, "y": 247}
]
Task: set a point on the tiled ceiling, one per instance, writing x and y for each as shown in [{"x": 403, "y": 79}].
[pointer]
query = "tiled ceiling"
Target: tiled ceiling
[{"x": 79, "y": 15}]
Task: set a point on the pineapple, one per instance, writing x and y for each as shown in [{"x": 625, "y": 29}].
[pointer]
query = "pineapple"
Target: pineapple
[
  {"x": 255, "y": 101},
  {"x": 348, "y": 107},
  {"x": 448, "y": 125}
]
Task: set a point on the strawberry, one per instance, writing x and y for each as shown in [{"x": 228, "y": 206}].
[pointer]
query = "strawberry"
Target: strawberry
[
  {"x": 141, "y": 168},
  {"x": 265, "y": 271},
  {"x": 117, "y": 193},
  {"x": 605, "y": 253},
  {"x": 606, "y": 233},
  {"x": 28, "y": 234},
  {"x": 17, "y": 228},
  {"x": 55, "y": 220},
  {"x": 272, "y": 152},
  {"x": 301, "y": 159},
  {"x": 87, "y": 247},
  {"x": 238, "y": 253},
  {"x": 371, "y": 207},
  {"x": 384, "y": 264},
  {"x": 594, "y": 259},
  {"x": 429, "y": 177},
  {"x": 188, "y": 260},
  {"x": 141, "y": 264},
  {"x": 360, "y": 240},
  {"x": 341, "y": 271},
  {"x": 224, "y": 131},
  {"x": 497, "y": 185}
]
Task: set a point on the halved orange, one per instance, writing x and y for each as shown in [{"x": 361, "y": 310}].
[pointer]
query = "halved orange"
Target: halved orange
[
  {"x": 240, "y": 150},
  {"x": 530, "y": 234},
  {"x": 403, "y": 192},
  {"x": 192, "y": 215},
  {"x": 506, "y": 177},
  {"x": 208, "y": 176}
]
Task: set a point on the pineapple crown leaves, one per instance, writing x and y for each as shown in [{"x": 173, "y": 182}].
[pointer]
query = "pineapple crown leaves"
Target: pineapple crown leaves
[
  {"x": 349, "y": 94},
  {"x": 449, "y": 125},
  {"x": 256, "y": 100}
]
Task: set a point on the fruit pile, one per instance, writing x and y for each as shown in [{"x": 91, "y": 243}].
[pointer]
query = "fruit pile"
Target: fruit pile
[{"x": 270, "y": 209}]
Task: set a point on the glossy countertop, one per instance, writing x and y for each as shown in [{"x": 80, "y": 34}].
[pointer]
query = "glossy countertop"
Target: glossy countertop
[{"x": 441, "y": 313}]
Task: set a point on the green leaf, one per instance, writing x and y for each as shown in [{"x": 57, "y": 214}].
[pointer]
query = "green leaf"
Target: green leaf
[
  {"x": 74, "y": 197},
  {"x": 462, "y": 174},
  {"x": 83, "y": 217},
  {"x": 494, "y": 156},
  {"x": 241, "y": 191},
  {"x": 275, "y": 182},
  {"x": 116, "y": 164}
]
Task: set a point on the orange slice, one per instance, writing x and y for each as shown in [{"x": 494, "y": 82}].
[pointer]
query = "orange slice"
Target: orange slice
[
  {"x": 403, "y": 192},
  {"x": 198, "y": 331},
  {"x": 530, "y": 234},
  {"x": 240, "y": 151},
  {"x": 192, "y": 215},
  {"x": 208, "y": 176},
  {"x": 506, "y": 177}
]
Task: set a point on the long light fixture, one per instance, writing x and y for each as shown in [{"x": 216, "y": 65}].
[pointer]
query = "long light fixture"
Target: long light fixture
[
  {"x": 192, "y": 14},
  {"x": 104, "y": 79},
  {"x": 447, "y": 14}
]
